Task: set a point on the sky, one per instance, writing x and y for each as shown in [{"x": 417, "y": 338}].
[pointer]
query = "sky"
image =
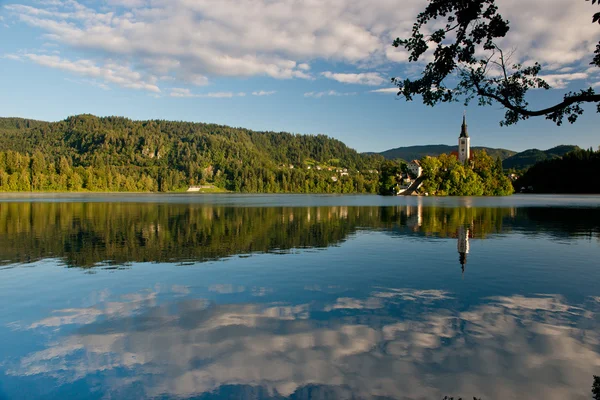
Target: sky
[{"x": 301, "y": 66}]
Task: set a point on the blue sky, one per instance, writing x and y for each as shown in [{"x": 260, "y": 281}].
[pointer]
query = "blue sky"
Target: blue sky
[{"x": 300, "y": 66}]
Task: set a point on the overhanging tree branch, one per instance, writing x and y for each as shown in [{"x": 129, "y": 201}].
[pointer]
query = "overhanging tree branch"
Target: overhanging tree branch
[{"x": 477, "y": 25}]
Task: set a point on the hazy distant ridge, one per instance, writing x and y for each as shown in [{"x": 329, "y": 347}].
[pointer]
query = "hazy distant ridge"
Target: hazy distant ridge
[
  {"x": 409, "y": 153},
  {"x": 528, "y": 158}
]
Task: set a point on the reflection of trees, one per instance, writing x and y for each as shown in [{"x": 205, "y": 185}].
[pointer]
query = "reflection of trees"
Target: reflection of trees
[
  {"x": 85, "y": 234},
  {"x": 444, "y": 222},
  {"x": 508, "y": 347},
  {"x": 560, "y": 222}
]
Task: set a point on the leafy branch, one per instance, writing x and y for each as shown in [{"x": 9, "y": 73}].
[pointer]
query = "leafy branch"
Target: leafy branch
[{"x": 472, "y": 27}]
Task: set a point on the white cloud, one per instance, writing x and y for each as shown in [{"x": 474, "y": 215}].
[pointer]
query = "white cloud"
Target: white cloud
[
  {"x": 194, "y": 41},
  {"x": 328, "y": 93},
  {"x": 183, "y": 92},
  {"x": 109, "y": 72},
  {"x": 220, "y": 95},
  {"x": 366, "y": 78},
  {"x": 127, "y": 3},
  {"x": 14, "y": 57},
  {"x": 263, "y": 93},
  {"x": 385, "y": 90},
  {"x": 561, "y": 81},
  {"x": 196, "y": 79}
]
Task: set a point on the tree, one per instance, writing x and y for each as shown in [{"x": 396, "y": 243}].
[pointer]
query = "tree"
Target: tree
[
  {"x": 458, "y": 72},
  {"x": 388, "y": 178},
  {"x": 446, "y": 176}
]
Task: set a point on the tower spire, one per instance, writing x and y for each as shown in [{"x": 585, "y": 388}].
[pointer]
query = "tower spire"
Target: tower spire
[{"x": 463, "y": 130}]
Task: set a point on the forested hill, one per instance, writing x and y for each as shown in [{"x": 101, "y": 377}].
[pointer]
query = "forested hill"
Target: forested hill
[
  {"x": 528, "y": 158},
  {"x": 417, "y": 152},
  {"x": 575, "y": 172},
  {"x": 86, "y": 152}
]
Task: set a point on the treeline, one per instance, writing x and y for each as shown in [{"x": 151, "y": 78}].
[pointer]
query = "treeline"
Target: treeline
[
  {"x": 575, "y": 172},
  {"x": 87, "y": 153},
  {"x": 481, "y": 176}
]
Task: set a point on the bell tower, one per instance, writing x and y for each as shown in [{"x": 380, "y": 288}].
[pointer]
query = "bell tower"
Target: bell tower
[{"x": 464, "y": 142}]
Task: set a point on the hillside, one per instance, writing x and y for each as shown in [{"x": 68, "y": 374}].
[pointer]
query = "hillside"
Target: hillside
[
  {"x": 417, "y": 152},
  {"x": 86, "y": 152},
  {"x": 575, "y": 172},
  {"x": 528, "y": 158}
]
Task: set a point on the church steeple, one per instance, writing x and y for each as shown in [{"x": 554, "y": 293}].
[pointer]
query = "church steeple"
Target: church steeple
[
  {"x": 463, "y": 130},
  {"x": 464, "y": 142}
]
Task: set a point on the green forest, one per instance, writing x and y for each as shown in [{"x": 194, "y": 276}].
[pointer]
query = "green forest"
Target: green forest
[
  {"x": 575, "y": 172},
  {"x": 89, "y": 153},
  {"x": 115, "y": 154},
  {"x": 445, "y": 175},
  {"x": 481, "y": 176}
]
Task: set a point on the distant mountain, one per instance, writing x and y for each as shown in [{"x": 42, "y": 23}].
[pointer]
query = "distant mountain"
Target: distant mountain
[
  {"x": 417, "y": 152},
  {"x": 528, "y": 158}
]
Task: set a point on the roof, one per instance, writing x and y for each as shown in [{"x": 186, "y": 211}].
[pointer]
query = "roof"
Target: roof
[
  {"x": 416, "y": 162},
  {"x": 463, "y": 129}
]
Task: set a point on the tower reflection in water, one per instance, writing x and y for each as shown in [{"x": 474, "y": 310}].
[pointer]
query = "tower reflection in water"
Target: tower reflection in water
[{"x": 463, "y": 245}]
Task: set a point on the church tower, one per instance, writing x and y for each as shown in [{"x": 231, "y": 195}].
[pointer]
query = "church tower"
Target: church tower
[{"x": 464, "y": 142}]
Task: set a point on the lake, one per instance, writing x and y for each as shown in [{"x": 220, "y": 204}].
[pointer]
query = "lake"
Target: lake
[{"x": 302, "y": 297}]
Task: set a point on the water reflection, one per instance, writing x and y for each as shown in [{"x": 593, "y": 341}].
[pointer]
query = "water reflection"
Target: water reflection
[
  {"x": 463, "y": 245},
  {"x": 395, "y": 343},
  {"x": 90, "y": 234},
  {"x": 379, "y": 311}
]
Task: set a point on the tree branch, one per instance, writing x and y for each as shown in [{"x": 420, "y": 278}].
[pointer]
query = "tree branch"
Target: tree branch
[
  {"x": 479, "y": 26},
  {"x": 582, "y": 98}
]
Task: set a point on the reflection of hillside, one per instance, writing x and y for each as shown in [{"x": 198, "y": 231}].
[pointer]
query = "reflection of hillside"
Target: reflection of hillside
[
  {"x": 508, "y": 347},
  {"x": 85, "y": 234}
]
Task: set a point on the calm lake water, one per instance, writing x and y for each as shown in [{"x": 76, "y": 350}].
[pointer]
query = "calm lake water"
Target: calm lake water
[{"x": 303, "y": 297}]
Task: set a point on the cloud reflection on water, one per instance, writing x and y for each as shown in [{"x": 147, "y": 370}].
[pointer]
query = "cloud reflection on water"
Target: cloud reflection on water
[{"x": 396, "y": 343}]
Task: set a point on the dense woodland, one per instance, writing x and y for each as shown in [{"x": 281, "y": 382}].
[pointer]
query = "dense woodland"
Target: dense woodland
[
  {"x": 481, "y": 176},
  {"x": 575, "y": 172},
  {"x": 88, "y": 153}
]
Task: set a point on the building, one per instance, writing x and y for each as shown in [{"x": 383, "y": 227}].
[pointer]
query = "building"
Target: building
[
  {"x": 415, "y": 168},
  {"x": 199, "y": 188},
  {"x": 464, "y": 142}
]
